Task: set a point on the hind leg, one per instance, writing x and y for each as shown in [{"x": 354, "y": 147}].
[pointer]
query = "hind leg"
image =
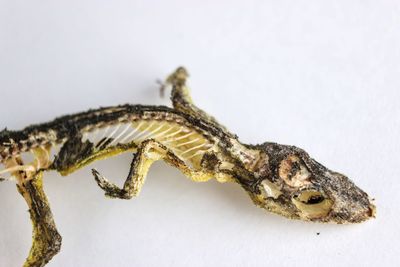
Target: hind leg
[{"x": 45, "y": 237}]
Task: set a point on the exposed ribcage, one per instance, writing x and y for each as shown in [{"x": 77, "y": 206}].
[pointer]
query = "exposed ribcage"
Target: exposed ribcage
[{"x": 188, "y": 144}]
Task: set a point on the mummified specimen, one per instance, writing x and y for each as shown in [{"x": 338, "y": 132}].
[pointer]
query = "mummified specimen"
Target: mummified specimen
[{"x": 279, "y": 178}]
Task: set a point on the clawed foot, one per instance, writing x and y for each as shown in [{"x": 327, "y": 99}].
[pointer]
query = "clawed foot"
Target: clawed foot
[
  {"x": 111, "y": 190},
  {"x": 177, "y": 78},
  {"x": 163, "y": 87}
]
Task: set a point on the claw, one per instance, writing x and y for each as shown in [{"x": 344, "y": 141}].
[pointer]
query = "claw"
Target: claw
[
  {"x": 101, "y": 181},
  {"x": 111, "y": 190},
  {"x": 3, "y": 179},
  {"x": 162, "y": 88}
]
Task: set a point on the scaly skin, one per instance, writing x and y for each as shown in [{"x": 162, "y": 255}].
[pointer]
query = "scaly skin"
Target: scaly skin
[{"x": 279, "y": 178}]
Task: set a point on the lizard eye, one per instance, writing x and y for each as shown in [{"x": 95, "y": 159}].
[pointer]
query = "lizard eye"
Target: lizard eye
[
  {"x": 312, "y": 204},
  {"x": 294, "y": 172}
]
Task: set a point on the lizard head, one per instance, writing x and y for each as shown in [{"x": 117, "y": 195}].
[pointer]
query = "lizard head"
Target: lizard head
[{"x": 296, "y": 186}]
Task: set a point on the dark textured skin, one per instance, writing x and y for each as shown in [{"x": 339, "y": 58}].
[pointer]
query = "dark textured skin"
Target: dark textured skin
[
  {"x": 69, "y": 126},
  {"x": 253, "y": 166},
  {"x": 351, "y": 204}
]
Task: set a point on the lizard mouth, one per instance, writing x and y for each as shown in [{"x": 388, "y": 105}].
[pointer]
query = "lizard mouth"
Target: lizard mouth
[
  {"x": 350, "y": 203},
  {"x": 344, "y": 217}
]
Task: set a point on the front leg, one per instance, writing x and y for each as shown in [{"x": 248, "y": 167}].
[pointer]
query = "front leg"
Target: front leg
[
  {"x": 181, "y": 99},
  {"x": 148, "y": 152},
  {"x": 46, "y": 239}
]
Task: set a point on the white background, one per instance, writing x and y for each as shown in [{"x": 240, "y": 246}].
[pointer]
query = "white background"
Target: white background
[{"x": 322, "y": 75}]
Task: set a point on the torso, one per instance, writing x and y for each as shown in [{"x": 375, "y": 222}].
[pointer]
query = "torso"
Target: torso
[{"x": 113, "y": 130}]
